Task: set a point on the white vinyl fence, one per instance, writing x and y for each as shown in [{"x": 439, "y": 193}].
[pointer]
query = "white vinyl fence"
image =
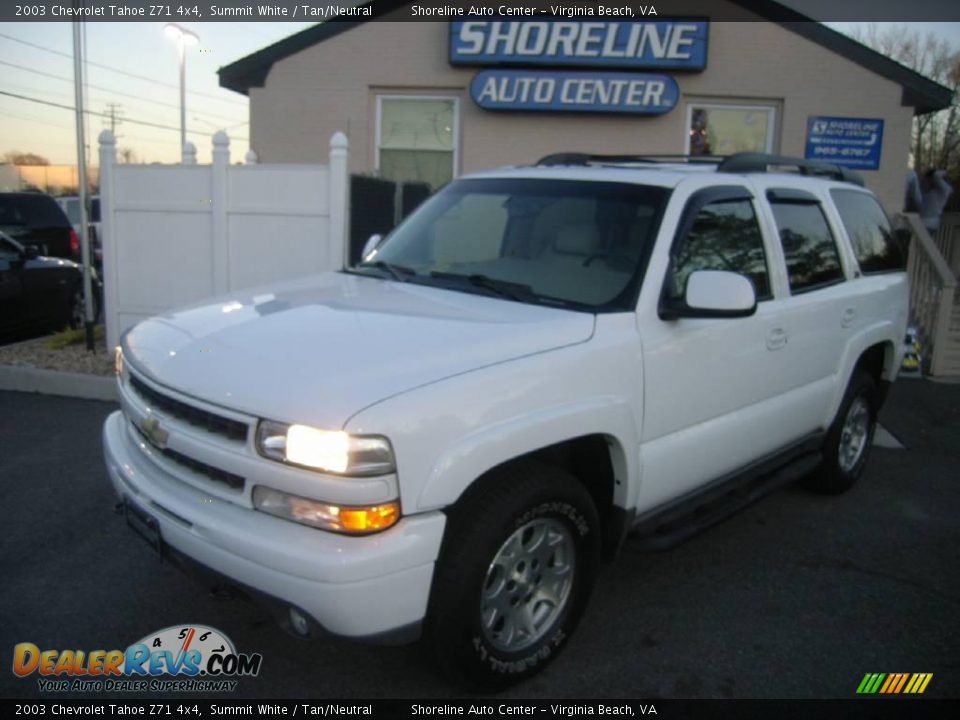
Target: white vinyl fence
[{"x": 175, "y": 234}]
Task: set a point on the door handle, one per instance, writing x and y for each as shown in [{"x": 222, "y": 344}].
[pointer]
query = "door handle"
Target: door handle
[
  {"x": 776, "y": 339},
  {"x": 849, "y": 315}
]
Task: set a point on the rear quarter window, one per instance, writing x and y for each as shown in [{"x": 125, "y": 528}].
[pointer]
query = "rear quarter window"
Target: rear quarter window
[
  {"x": 35, "y": 211},
  {"x": 869, "y": 230}
]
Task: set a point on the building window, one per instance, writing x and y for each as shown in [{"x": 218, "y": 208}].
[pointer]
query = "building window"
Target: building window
[
  {"x": 728, "y": 129},
  {"x": 417, "y": 139}
]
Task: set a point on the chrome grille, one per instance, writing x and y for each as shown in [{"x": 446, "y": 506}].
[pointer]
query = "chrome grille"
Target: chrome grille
[
  {"x": 211, "y": 422},
  {"x": 235, "y": 482}
]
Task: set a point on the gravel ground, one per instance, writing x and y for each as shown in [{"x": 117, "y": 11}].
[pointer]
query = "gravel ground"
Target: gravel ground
[{"x": 73, "y": 358}]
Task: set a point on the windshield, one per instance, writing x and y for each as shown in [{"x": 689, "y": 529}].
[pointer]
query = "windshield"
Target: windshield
[{"x": 558, "y": 242}]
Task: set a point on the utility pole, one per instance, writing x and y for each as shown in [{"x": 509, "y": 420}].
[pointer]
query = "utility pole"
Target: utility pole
[
  {"x": 115, "y": 113},
  {"x": 82, "y": 182}
]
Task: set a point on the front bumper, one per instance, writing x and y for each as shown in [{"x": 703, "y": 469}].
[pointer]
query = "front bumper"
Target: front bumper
[{"x": 358, "y": 587}]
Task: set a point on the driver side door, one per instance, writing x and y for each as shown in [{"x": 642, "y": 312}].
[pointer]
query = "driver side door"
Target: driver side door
[
  {"x": 11, "y": 287},
  {"x": 713, "y": 387}
]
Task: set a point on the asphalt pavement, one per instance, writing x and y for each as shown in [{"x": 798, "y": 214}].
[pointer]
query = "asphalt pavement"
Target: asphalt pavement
[{"x": 797, "y": 597}]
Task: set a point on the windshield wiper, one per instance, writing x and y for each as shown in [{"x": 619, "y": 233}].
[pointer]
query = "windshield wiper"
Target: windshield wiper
[
  {"x": 400, "y": 273},
  {"x": 504, "y": 288}
]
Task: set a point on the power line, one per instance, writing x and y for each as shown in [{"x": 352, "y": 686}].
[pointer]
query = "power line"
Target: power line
[
  {"x": 93, "y": 112},
  {"x": 32, "y": 119},
  {"x": 122, "y": 72},
  {"x": 111, "y": 90}
]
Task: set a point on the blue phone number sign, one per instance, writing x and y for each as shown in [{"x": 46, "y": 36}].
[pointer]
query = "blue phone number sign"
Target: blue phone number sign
[{"x": 850, "y": 142}]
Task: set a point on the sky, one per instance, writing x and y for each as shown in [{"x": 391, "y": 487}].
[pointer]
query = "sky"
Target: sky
[
  {"x": 36, "y": 62},
  {"x": 134, "y": 67}
]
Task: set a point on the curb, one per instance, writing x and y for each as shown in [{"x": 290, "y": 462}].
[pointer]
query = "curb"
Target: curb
[{"x": 54, "y": 382}]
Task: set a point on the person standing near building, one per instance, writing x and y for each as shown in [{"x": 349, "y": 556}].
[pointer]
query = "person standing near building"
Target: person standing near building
[
  {"x": 912, "y": 198},
  {"x": 936, "y": 190}
]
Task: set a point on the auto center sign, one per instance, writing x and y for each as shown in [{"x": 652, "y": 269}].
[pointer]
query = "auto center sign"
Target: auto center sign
[
  {"x": 574, "y": 92},
  {"x": 615, "y": 46}
]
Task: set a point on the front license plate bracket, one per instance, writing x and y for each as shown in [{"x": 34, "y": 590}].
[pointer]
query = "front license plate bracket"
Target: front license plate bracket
[{"x": 144, "y": 524}]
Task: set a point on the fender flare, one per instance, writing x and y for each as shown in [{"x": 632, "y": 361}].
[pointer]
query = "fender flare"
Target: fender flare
[
  {"x": 876, "y": 334},
  {"x": 479, "y": 452}
]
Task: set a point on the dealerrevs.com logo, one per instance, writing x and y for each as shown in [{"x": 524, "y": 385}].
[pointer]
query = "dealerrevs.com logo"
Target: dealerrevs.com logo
[{"x": 181, "y": 658}]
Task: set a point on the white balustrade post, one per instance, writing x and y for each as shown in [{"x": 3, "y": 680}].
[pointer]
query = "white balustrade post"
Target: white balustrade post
[
  {"x": 250, "y": 158},
  {"x": 108, "y": 238},
  {"x": 339, "y": 201},
  {"x": 220, "y": 247},
  {"x": 189, "y": 154}
]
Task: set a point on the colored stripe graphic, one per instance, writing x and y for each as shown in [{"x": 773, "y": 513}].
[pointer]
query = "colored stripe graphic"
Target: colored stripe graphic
[
  {"x": 903, "y": 679},
  {"x": 894, "y": 683},
  {"x": 892, "y": 679}
]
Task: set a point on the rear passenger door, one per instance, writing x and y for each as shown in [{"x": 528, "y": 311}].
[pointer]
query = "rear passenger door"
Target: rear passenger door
[{"x": 817, "y": 315}]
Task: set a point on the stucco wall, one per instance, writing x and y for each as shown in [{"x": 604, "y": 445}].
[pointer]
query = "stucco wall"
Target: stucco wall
[{"x": 333, "y": 86}]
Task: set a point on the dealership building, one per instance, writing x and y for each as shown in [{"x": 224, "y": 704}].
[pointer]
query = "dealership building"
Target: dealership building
[{"x": 431, "y": 100}]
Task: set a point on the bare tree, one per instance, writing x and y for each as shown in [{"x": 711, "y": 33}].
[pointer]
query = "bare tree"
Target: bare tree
[
  {"x": 936, "y": 136},
  {"x": 127, "y": 155},
  {"x": 15, "y": 157}
]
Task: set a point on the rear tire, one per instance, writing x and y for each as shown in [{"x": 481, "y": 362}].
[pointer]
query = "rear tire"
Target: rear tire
[
  {"x": 514, "y": 575},
  {"x": 848, "y": 442}
]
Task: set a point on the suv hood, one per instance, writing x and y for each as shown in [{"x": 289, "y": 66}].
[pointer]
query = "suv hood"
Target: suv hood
[{"x": 320, "y": 349}]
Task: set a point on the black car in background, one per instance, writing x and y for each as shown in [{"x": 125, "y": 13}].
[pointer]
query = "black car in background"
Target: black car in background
[
  {"x": 35, "y": 220},
  {"x": 38, "y": 293},
  {"x": 70, "y": 204}
]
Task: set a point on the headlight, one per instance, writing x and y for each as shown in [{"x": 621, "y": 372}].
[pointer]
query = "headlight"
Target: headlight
[
  {"x": 118, "y": 360},
  {"x": 338, "y": 518},
  {"x": 329, "y": 450}
]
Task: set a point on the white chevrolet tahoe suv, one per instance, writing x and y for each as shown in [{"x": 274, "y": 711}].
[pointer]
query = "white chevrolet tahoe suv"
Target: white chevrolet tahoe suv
[{"x": 445, "y": 440}]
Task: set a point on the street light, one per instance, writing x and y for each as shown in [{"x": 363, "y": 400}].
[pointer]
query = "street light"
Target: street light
[{"x": 183, "y": 37}]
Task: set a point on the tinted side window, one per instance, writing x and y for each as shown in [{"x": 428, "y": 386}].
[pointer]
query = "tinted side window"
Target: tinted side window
[
  {"x": 35, "y": 211},
  {"x": 8, "y": 251},
  {"x": 869, "y": 231},
  {"x": 10, "y": 213},
  {"x": 724, "y": 236},
  {"x": 808, "y": 246}
]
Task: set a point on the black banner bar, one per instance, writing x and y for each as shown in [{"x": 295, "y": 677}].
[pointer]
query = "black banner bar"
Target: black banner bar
[
  {"x": 878, "y": 708},
  {"x": 429, "y": 11}
]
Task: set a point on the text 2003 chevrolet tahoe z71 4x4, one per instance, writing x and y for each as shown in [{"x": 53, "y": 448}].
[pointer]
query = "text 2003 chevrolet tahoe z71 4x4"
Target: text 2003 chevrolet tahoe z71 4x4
[{"x": 445, "y": 439}]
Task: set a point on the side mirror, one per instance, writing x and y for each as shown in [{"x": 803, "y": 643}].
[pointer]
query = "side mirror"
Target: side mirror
[
  {"x": 713, "y": 294},
  {"x": 30, "y": 252},
  {"x": 370, "y": 246}
]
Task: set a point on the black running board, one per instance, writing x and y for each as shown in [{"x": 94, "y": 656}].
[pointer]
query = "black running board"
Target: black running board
[{"x": 671, "y": 525}]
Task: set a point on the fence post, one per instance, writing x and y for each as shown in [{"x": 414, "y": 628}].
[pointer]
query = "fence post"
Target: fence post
[
  {"x": 250, "y": 158},
  {"x": 189, "y": 154},
  {"x": 339, "y": 201},
  {"x": 220, "y": 249},
  {"x": 108, "y": 244}
]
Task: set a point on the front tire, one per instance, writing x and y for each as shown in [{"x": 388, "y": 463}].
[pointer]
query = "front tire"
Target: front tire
[
  {"x": 514, "y": 575},
  {"x": 848, "y": 442}
]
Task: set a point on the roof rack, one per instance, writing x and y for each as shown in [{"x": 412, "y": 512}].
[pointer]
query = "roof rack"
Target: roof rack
[
  {"x": 749, "y": 162},
  {"x": 743, "y": 162},
  {"x": 575, "y": 158}
]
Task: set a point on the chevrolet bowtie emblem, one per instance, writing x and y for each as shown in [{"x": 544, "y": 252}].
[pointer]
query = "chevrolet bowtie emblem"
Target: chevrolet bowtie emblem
[{"x": 154, "y": 433}]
